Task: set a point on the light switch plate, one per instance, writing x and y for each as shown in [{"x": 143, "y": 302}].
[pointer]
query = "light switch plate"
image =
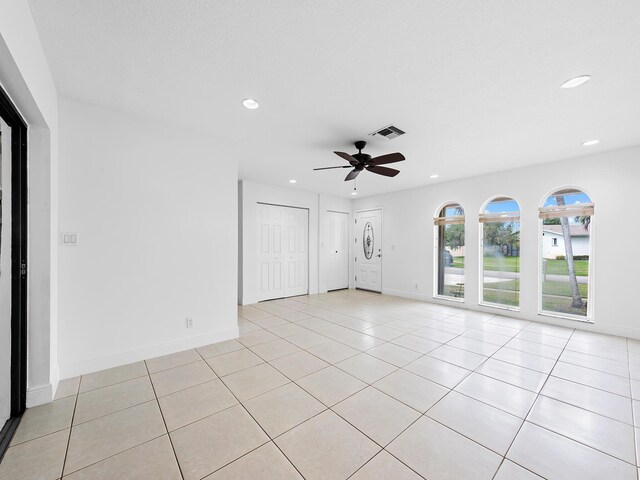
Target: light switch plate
[{"x": 69, "y": 239}]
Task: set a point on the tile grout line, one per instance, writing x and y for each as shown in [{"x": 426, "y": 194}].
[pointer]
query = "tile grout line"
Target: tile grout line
[
  {"x": 66, "y": 452},
  {"x": 175, "y": 455},
  {"x": 257, "y": 423},
  {"x": 504, "y": 457}
]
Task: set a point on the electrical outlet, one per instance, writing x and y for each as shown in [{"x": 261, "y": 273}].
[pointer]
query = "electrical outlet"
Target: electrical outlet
[{"x": 189, "y": 322}]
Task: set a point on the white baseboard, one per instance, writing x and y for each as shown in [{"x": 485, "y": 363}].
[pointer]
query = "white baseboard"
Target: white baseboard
[
  {"x": 39, "y": 395},
  {"x": 69, "y": 370},
  {"x": 578, "y": 325},
  {"x": 409, "y": 295}
]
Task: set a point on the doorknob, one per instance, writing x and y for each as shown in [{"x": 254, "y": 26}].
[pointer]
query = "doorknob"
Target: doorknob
[{"x": 379, "y": 255}]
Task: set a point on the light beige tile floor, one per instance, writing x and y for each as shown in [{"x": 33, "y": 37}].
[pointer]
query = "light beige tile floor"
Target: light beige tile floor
[{"x": 351, "y": 385}]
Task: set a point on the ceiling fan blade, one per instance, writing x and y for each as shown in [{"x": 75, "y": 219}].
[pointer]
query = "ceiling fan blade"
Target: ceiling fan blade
[
  {"x": 387, "y": 172},
  {"x": 352, "y": 174},
  {"x": 327, "y": 168},
  {"x": 347, "y": 157},
  {"x": 388, "y": 158}
]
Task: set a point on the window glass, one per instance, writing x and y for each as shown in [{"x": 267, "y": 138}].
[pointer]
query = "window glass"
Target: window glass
[
  {"x": 501, "y": 252},
  {"x": 450, "y": 251},
  {"x": 566, "y": 245}
]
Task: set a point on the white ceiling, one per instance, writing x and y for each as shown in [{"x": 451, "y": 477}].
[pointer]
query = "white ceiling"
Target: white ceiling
[{"x": 475, "y": 84}]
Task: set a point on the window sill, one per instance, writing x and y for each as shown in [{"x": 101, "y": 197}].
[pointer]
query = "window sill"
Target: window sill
[
  {"x": 575, "y": 318},
  {"x": 449, "y": 299},
  {"x": 500, "y": 307}
]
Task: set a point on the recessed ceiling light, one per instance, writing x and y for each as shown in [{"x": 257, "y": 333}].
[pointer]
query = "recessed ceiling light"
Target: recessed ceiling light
[
  {"x": 354, "y": 193},
  {"x": 590, "y": 142},
  {"x": 293, "y": 180},
  {"x": 576, "y": 81},
  {"x": 435, "y": 175},
  {"x": 250, "y": 103}
]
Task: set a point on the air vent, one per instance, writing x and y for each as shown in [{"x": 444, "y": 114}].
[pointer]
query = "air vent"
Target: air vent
[{"x": 387, "y": 133}]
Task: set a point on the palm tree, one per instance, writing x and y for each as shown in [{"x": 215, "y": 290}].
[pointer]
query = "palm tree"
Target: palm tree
[{"x": 573, "y": 279}]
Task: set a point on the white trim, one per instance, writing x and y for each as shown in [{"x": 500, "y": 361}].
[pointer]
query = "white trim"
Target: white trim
[
  {"x": 40, "y": 395},
  {"x": 68, "y": 370},
  {"x": 449, "y": 299},
  {"x": 410, "y": 295},
  {"x": 500, "y": 306}
]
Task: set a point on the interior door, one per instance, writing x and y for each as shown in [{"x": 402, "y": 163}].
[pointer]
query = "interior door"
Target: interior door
[
  {"x": 368, "y": 230},
  {"x": 297, "y": 225},
  {"x": 283, "y": 257},
  {"x": 337, "y": 250},
  {"x": 270, "y": 258}
]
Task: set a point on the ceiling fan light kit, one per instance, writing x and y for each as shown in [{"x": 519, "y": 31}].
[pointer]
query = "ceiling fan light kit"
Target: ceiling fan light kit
[{"x": 362, "y": 161}]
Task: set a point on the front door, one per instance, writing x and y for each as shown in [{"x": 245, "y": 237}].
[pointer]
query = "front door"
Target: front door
[{"x": 368, "y": 230}]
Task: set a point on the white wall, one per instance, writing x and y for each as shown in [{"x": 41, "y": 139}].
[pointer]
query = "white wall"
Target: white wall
[
  {"x": 155, "y": 210},
  {"x": 609, "y": 179},
  {"x": 25, "y": 76},
  {"x": 252, "y": 193}
]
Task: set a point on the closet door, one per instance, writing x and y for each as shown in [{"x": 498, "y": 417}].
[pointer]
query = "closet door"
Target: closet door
[
  {"x": 283, "y": 257},
  {"x": 270, "y": 259},
  {"x": 296, "y": 251}
]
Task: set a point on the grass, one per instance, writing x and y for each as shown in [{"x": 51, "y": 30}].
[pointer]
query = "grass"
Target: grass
[
  {"x": 563, "y": 289},
  {"x": 559, "y": 267},
  {"x": 502, "y": 293},
  {"x": 512, "y": 264},
  {"x": 562, "y": 305}
]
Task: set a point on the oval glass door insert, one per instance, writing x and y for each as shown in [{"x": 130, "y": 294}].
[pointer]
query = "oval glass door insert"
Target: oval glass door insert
[{"x": 367, "y": 241}]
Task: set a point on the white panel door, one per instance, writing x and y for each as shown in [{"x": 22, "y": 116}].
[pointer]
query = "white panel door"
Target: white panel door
[
  {"x": 282, "y": 251},
  {"x": 338, "y": 250},
  {"x": 368, "y": 230},
  {"x": 270, "y": 258},
  {"x": 295, "y": 248}
]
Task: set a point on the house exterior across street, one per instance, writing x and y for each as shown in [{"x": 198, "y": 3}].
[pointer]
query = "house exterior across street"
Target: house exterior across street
[{"x": 553, "y": 241}]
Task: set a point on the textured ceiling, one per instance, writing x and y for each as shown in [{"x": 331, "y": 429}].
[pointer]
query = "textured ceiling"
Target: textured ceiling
[{"x": 475, "y": 84}]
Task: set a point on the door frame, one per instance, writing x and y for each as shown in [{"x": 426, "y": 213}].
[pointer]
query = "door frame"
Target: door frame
[
  {"x": 355, "y": 262},
  {"x": 19, "y": 255},
  {"x": 307, "y": 246}
]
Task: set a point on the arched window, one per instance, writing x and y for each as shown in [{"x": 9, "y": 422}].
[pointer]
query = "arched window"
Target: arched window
[
  {"x": 449, "y": 226},
  {"x": 500, "y": 252},
  {"x": 566, "y": 252}
]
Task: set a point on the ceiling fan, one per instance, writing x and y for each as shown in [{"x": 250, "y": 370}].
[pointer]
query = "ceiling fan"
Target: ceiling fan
[{"x": 361, "y": 161}]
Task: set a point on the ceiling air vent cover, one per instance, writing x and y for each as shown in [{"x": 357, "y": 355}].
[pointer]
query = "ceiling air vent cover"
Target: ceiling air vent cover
[{"x": 387, "y": 133}]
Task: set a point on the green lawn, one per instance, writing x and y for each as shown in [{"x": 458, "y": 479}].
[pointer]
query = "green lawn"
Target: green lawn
[
  {"x": 512, "y": 264},
  {"x": 502, "y": 264},
  {"x": 562, "y": 305},
  {"x": 559, "y": 267},
  {"x": 502, "y": 293}
]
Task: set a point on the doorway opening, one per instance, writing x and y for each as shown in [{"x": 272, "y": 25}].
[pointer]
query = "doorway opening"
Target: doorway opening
[{"x": 13, "y": 269}]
